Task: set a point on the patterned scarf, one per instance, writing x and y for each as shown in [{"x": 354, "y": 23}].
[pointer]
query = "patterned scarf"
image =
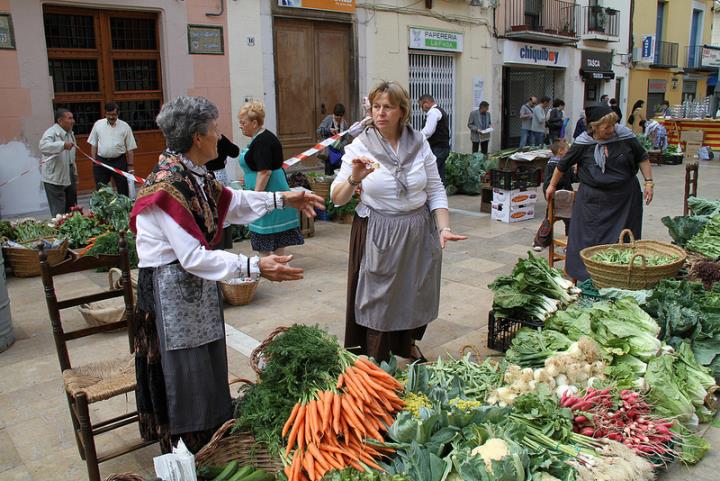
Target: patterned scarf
[
  {"x": 198, "y": 205},
  {"x": 621, "y": 133}
]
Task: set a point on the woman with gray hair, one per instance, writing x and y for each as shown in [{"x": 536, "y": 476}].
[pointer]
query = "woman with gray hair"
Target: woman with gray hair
[
  {"x": 180, "y": 356},
  {"x": 400, "y": 227}
]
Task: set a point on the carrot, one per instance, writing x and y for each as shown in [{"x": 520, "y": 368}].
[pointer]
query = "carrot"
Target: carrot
[
  {"x": 299, "y": 418},
  {"x": 314, "y": 419},
  {"x": 356, "y": 383},
  {"x": 346, "y": 431},
  {"x": 324, "y": 463},
  {"x": 381, "y": 376},
  {"x": 355, "y": 409},
  {"x": 327, "y": 412},
  {"x": 332, "y": 449},
  {"x": 296, "y": 464},
  {"x": 309, "y": 464},
  {"x": 290, "y": 419},
  {"x": 301, "y": 439},
  {"x": 339, "y": 384},
  {"x": 336, "y": 413}
]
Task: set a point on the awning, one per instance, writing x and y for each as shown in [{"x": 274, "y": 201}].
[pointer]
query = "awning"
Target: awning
[{"x": 595, "y": 75}]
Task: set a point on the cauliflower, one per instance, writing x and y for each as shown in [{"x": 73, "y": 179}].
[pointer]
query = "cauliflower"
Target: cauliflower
[{"x": 494, "y": 449}]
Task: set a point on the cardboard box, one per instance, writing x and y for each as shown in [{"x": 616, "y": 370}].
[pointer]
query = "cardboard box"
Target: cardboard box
[
  {"x": 511, "y": 214},
  {"x": 691, "y": 150},
  {"x": 692, "y": 136},
  {"x": 515, "y": 197}
]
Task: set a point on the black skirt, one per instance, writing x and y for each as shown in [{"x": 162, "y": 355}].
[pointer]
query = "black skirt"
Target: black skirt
[{"x": 598, "y": 217}]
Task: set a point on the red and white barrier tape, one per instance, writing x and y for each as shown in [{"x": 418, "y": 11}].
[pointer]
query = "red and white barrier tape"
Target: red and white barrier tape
[
  {"x": 313, "y": 150},
  {"x": 134, "y": 178}
]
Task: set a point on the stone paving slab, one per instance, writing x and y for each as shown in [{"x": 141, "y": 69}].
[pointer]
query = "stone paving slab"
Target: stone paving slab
[{"x": 36, "y": 439}]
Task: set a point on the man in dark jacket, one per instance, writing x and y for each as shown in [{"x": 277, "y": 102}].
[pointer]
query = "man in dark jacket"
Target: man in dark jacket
[
  {"x": 436, "y": 130},
  {"x": 615, "y": 108}
]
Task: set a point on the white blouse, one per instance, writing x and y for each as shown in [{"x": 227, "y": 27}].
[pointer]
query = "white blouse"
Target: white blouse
[
  {"x": 378, "y": 188},
  {"x": 160, "y": 240}
]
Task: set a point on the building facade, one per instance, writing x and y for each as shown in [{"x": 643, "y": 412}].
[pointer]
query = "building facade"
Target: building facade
[{"x": 671, "y": 52}]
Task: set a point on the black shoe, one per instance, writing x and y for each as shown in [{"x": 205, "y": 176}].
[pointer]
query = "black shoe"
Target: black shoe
[{"x": 416, "y": 354}]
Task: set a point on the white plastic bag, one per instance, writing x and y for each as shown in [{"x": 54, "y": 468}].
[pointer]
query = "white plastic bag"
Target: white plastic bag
[{"x": 176, "y": 466}]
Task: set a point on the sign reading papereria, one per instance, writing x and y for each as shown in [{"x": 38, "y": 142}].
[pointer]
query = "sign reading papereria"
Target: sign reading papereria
[
  {"x": 424, "y": 39},
  {"x": 533, "y": 54}
]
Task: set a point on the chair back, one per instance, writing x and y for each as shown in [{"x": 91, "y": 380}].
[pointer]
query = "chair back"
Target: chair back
[
  {"x": 76, "y": 263},
  {"x": 561, "y": 205}
]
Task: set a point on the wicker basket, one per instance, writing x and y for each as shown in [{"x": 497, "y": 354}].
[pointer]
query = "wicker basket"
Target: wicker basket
[
  {"x": 112, "y": 310},
  {"x": 239, "y": 294},
  {"x": 321, "y": 188},
  {"x": 124, "y": 477},
  {"x": 632, "y": 276},
  {"x": 26, "y": 263}
]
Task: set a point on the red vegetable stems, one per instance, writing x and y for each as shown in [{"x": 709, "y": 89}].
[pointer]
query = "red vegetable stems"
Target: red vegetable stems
[{"x": 600, "y": 414}]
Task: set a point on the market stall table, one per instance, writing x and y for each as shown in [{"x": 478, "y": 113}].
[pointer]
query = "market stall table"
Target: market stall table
[{"x": 710, "y": 127}]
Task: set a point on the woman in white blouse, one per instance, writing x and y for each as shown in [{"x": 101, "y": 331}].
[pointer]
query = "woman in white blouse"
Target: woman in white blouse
[
  {"x": 180, "y": 354},
  {"x": 395, "y": 242}
]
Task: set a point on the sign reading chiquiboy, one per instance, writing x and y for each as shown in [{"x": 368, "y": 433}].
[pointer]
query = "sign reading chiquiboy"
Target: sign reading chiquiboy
[{"x": 533, "y": 54}]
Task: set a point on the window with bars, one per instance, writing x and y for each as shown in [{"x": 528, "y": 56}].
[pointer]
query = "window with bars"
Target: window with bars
[
  {"x": 74, "y": 75},
  {"x": 140, "y": 114},
  {"x": 434, "y": 75},
  {"x": 133, "y": 34},
  {"x": 69, "y": 31},
  {"x": 135, "y": 74},
  {"x": 85, "y": 113}
]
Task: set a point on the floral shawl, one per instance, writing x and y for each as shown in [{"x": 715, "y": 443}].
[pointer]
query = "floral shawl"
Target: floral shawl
[{"x": 174, "y": 189}]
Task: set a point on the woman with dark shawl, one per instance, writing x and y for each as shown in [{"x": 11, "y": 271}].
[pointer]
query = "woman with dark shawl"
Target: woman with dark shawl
[
  {"x": 400, "y": 226},
  {"x": 180, "y": 357},
  {"x": 609, "y": 198}
]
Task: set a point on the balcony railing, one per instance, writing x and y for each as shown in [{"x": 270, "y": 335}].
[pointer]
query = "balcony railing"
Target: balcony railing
[
  {"x": 534, "y": 19},
  {"x": 600, "y": 22},
  {"x": 694, "y": 59},
  {"x": 666, "y": 54}
]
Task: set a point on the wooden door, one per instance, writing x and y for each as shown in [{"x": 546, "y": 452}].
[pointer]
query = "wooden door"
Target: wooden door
[{"x": 312, "y": 74}]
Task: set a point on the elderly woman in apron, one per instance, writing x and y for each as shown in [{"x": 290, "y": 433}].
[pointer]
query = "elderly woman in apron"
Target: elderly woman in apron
[
  {"x": 262, "y": 162},
  {"x": 181, "y": 364},
  {"x": 400, "y": 226},
  {"x": 608, "y": 157}
]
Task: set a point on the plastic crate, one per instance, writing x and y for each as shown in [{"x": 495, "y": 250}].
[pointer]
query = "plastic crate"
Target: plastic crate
[
  {"x": 501, "y": 331},
  {"x": 522, "y": 178}
]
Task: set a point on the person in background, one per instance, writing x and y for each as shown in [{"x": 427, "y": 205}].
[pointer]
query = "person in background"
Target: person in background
[
  {"x": 437, "y": 131},
  {"x": 58, "y": 171},
  {"x": 608, "y": 157},
  {"x": 331, "y": 125},
  {"x": 558, "y": 148},
  {"x": 556, "y": 120},
  {"x": 604, "y": 98},
  {"x": 580, "y": 126},
  {"x": 526, "y": 115},
  {"x": 616, "y": 108},
  {"x": 665, "y": 110},
  {"x": 225, "y": 149},
  {"x": 262, "y": 162},
  {"x": 399, "y": 230},
  {"x": 181, "y": 364},
  {"x": 480, "y": 120},
  {"x": 113, "y": 143},
  {"x": 537, "y": 129},
  {"x": 637, "y": 114},
  {"x": 656, "y": 133}
]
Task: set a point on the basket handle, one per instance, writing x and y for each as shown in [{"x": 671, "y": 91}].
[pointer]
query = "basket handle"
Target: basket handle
[
  {"x": 212, "y": 444},
  {"x": 257, "y": 352},
  {"x": 470, "y": 348},
  {"x": 629, "y": 234},
  {"x": 631, "y": 265}
]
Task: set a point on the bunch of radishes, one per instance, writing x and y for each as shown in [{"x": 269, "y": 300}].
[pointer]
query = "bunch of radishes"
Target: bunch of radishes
[{"x": 599, "y": 414}]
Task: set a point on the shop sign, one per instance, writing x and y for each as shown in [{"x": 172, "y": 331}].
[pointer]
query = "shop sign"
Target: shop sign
[
  {"x": 347, "y": 6},
  {"x": 596, "y": 61},
  {"x": 647, "y": 50},
  {"x": 205, "y": 39},
  {"x": 424, "y": 39},
  {"x": 710, "y": 57},
  {"x": 532, "y": 54},
  {"x": 657, "y": 86}
]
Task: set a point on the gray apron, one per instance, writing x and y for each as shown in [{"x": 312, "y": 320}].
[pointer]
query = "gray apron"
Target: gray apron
[
  {"x": 399, "y": 280},
  {"x": 191, "y": 332}
]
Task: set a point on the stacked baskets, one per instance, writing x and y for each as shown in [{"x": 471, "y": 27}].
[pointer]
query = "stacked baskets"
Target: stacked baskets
[
  {"x": 26, "y": 263},
  {"x": 632, "y": 276}
]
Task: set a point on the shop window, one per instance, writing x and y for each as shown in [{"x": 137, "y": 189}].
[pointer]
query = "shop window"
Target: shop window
[
  {"x": 69, "y": 31},
  {"x": 689, "y": 89},
  {"x": 140, "y": 114},
  {"x": 74, "y": 75},
  {"x": 135, "y": 74},
  {"x": 85, "y": 114},
  {"x": 133, "y": 34}
]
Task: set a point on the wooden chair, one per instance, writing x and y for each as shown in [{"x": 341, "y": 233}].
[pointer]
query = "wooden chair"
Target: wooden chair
[
  {"x": 96, "y": 381},
  {"x": 691, "y": 184},
  {"x": 560, "y": 207}
]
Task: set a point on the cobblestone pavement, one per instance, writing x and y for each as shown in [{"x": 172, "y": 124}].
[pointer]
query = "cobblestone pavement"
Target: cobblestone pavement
[{"x": 36, "y": 437}]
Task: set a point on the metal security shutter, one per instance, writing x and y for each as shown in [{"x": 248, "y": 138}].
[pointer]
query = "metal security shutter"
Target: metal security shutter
[
  {"x": 520, "y": 85},
  {"x": 434, "y": 75}
]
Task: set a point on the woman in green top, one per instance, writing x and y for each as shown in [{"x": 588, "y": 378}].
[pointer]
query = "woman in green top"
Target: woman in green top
[{"x": 261, "y": 161}]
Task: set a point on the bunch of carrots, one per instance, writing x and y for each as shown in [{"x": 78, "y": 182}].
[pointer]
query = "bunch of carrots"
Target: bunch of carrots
[{"x": 329, "y": 430}]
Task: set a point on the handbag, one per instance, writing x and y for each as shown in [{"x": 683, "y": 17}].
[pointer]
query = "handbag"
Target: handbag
[{"x": 334, "y": 157}]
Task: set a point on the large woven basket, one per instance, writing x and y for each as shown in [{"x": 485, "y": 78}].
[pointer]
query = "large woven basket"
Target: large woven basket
[
  {"x": 632, "y": 276},
  {"x": 239, "y": 294},
  {"x": 110, "y": 311},
  {"x": 26, "y": 263}
]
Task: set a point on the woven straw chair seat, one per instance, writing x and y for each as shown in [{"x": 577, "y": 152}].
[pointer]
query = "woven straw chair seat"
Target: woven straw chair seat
[
  {"x": 101, "y": 380},
  {"x": 561, "y": 241}
]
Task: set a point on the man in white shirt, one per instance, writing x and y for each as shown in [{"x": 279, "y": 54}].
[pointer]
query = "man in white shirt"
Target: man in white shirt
[
  {"x": 437, "y": 131},
  {"x": 59, "y": 173},
  {"x": 112, "y": 143}
]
